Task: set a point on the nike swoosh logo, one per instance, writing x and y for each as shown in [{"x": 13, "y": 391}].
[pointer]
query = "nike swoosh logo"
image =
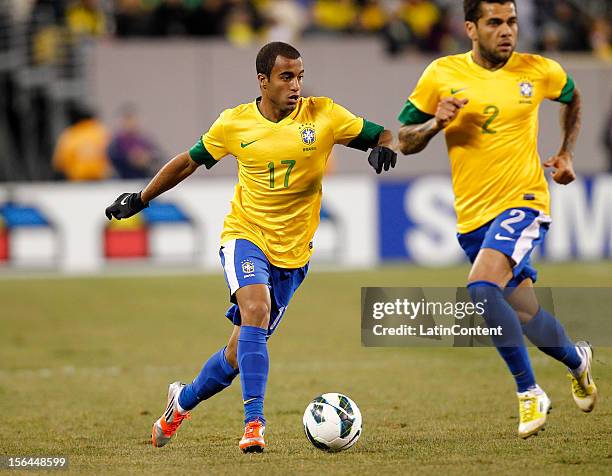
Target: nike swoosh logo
[
  {"x": 455, "y": 91},
  {"x": 124, "y": 201},
  {"x": 246, "y": 144},
  {"x": 503, "y": 238},
  {"x": 248, "y": 401}
]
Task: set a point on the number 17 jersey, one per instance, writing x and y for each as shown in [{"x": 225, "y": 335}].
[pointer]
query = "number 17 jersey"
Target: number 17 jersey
[
  {"x": 277, "y": 199},
  {"x": 492, "y": 143}
]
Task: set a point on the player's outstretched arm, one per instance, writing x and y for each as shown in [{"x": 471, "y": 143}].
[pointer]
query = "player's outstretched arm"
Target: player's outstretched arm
[
  {"x": 171, "y": 174},
  {"x": 414, "y": 138},
  {"x": 571, "y": 119}
]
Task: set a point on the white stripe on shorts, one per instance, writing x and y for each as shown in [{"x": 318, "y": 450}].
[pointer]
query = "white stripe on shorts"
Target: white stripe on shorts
[
  {"x": 228, "y": 259},
  {"x": 281, "y": 311},
  {"x": 528, "y": 235}
]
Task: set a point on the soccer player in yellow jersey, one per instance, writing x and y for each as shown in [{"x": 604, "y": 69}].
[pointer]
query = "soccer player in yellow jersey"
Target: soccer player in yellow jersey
[
  {"x": 281, "y": 142},
  {"x": 487, "y": 101}
]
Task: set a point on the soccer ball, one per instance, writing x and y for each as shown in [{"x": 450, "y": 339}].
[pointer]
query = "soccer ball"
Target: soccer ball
[{"x": 332, "y": 422}]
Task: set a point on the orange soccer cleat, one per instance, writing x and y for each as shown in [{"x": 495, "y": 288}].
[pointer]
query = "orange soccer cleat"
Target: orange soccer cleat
[
  {"x": 165, "y": 428},
  {"x": 253, "y": 439}
]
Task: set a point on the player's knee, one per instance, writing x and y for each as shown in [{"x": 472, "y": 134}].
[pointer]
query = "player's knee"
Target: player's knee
[
  {"x": 480, "y": 274},
  {"x": 493, "y": 266},
  {"x": 255, "y": 313}
]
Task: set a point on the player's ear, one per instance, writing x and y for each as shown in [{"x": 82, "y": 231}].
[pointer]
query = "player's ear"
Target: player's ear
[
  {"x": 470, "y": 29},
  {"x": 263, "y": 80}
]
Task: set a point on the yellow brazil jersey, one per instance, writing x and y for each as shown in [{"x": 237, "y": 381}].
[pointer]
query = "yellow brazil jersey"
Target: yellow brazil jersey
[
  {"x": 492, "y": 143},
  {"x": 277, "y": 199}
]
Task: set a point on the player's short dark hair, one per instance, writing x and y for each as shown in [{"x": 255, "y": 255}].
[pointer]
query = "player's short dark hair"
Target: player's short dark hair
[
  {"x": 472, "y": 11},
  {"x": 268, "y": 53}
]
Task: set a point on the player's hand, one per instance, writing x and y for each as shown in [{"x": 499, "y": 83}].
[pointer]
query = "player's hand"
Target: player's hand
[
  {"x": 382, "y": 157},
  {"x": 564, "y": 169},
  {"x": 447, "y": 110},
  {"x": 126, "y": 205}
]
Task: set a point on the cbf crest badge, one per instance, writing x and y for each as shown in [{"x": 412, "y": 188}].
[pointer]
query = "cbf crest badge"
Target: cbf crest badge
[
  {"x": 526, "y": 88},
  {"x": 307, "y": 133},
  {"x": 247, "y": 267}
]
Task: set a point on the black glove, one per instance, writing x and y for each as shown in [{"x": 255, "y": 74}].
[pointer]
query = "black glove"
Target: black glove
[
  {"x": 381, "y": 156},
  {"x": 126, "y": 205}
]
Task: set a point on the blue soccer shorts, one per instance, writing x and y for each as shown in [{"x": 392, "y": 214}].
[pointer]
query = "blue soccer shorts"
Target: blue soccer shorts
[
  {"x": 243, "y": 264},
  {"x": 515, "y": 233}
]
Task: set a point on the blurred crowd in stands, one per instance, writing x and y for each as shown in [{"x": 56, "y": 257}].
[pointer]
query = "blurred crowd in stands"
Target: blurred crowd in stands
[
  {"x": 425, "y": 25},
  {"x": 87, "y": 150},
  {"x": 43, "y": 43}
]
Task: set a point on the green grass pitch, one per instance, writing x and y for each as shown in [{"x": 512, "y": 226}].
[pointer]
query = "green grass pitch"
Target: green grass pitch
[{"x": 85, "y": 364}]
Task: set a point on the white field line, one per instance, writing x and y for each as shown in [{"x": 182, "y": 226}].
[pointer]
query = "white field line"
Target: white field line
[
  {"x": 71, "y": 371},
  {"x": 115, "y": 370}
]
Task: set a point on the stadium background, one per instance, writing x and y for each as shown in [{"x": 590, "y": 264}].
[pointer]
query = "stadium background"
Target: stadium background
[
  {"x": 58, "y": 56},
  {"x": 73, "y": 332}
]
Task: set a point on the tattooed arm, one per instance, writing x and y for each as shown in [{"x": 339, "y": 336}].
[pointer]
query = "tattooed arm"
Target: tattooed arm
[
  {"x": 571, "y": 118},
  {"x": 414, "y": 138}
]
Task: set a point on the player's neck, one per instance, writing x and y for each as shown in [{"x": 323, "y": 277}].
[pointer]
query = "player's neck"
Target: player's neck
[
  {"x": 485, "y": 63},
  {"x": 269, "y": 111}
]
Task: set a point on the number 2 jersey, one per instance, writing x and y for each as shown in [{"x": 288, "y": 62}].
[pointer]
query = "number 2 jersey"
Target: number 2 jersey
[
  {"x": 277, "y": 199},
  {"x": 492, "y": 143}
]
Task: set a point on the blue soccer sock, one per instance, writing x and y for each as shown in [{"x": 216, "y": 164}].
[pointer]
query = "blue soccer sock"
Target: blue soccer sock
[
  {"x": 253, "y": 363},
  {"x": 510, "y": 344},
  {"x": 216, "y": 375},
  {"x": 547, "y": 333}
]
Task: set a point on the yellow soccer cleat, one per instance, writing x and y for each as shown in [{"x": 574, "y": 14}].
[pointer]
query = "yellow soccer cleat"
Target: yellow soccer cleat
[
  {"x": 165, "y": 427},
  {"x": 584, "y": 390},
  {"x": 253, "y": 439},
  {"x": 534, "y": 406}
]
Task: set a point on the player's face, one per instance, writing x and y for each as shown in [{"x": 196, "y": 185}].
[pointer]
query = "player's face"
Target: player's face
[
  {"x": 496, "y": 32},
  {"x": 284, "y": 86}
]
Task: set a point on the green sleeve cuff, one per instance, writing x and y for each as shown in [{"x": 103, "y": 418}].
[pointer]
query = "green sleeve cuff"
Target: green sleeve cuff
[
  {"x": 412, "y": 115},
  {"x": 567, "y": 93},
  {"x": 200, "y": 155},
  {"x": 368, "y": 137}
]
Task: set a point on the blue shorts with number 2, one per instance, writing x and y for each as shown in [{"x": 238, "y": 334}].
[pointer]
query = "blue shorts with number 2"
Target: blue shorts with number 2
[{"x": 515, "y": 233}]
